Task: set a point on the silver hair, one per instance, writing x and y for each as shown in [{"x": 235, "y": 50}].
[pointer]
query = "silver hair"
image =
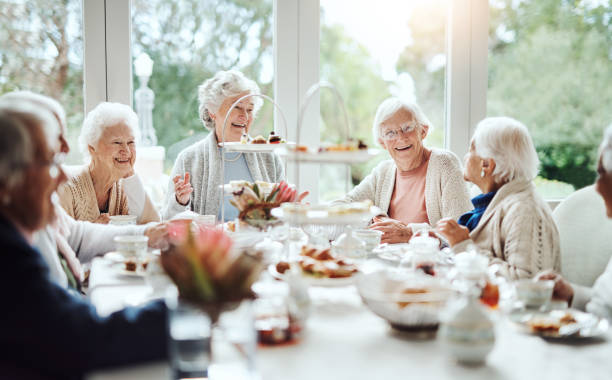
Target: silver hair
[
  {"x": 507, "y": 141},
  {"x": 16, "y": 150},
  {"x": 43, "y": 115},
  {"x": 390, "y": 107},
  {"x": 225, "y": 84},
  {"x": 38, "y": 99},
  {"x": 605, "y": 149},
  {"x": 105, "y": 115}
]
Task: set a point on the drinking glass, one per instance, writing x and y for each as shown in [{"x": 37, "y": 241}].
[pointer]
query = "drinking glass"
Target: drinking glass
[
  {"x": 189, "y": 345},
  {"x": 234, "y": 342}
]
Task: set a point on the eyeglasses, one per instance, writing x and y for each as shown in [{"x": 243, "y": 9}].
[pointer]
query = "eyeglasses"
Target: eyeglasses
[{"x": 395, "y": 133}]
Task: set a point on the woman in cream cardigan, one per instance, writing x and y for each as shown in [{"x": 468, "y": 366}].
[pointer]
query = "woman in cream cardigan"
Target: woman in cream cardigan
[
  {"x": 511, "y": 223},
  {"x": 108, "y": 185},
  {"x": 419, "y": 186}
]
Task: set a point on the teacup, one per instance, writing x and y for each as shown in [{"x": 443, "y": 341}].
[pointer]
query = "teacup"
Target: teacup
[
  {"x": 370, "y": 237},
  {"x": 534, "y": 294},
  {"x": 131, "y": 245},
  {"x": 121, "y": 220}
]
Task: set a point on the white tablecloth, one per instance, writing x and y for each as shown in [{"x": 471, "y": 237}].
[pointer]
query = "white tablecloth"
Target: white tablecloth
[{"x": 344, "y": 340}]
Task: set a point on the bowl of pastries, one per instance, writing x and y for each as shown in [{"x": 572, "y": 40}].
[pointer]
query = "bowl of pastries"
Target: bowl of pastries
[{"x": 408, "y": 301}]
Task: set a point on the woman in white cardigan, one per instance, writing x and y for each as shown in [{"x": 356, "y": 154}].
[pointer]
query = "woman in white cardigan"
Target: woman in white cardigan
[
  {"x": 419, "y": 186},
  {"x": 511, "y": 223}
]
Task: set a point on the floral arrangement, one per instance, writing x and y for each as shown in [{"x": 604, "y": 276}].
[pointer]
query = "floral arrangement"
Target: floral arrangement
[
  {"x": 205, "y": 269},
  {"x": 255, "y": 205}
]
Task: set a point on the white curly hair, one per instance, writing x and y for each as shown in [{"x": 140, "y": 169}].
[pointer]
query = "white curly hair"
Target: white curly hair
[
  {"x": 390, "y": 107},
  {"x": 105, "y": 115},
  {"x": 225, "y": 84},
  {"x": 508, "y": 142},
  {"x": 605, "y": 149}
]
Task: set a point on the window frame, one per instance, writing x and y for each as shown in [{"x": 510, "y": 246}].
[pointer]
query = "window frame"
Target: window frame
[{"x": 296, "y": 67}]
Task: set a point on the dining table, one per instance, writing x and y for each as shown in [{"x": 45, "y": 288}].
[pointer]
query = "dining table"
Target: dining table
[{"x": 343, "y": 339}]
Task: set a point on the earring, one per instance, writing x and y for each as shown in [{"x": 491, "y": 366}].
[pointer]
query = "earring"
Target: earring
[{"x": 482, "y": 173}]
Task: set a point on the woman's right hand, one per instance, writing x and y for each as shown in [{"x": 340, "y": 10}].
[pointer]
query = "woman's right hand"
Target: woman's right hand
[
  {"x": 182, "y": 189},
  {"x": 103, "y": 218},
  {"x": 563, "y": 290}
]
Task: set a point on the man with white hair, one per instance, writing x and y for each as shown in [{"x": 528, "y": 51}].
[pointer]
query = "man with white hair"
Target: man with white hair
[
  {"x": 68, "y": 237},
  {"x": 598, "y": 299}
]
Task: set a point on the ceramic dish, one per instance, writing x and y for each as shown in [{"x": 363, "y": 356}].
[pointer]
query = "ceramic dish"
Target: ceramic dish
[
  {"x": 338, "y": 157},
  {"x": 310, "y": 280},
  {"x": 253, "y": 148},
  {"x": 560, "y": 324}
]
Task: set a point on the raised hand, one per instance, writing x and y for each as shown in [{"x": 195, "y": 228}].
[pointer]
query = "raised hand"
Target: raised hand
[{"x": 182, "y": 189}]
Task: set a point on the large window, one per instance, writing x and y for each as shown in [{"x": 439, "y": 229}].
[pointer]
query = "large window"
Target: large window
[
  {"x": 370, "y": 53},
  {"x": 189, "y": 41},
  {"x": 41, "y": 51},
  {"x": 550, "y": 66}
]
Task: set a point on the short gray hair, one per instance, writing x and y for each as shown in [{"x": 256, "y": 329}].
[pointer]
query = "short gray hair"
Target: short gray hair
[
  {"x": 38, "y": 99},
  {"x": 390, "y": 107},
  {"x": 106, "y": 115},
  {"x": 225, "y": 84},
  {"x": 44, "y": 116},
  {"x": 507, "y": 141},
  {"x": 16, "y": 150},
  {"x": 605, "y": 149}
]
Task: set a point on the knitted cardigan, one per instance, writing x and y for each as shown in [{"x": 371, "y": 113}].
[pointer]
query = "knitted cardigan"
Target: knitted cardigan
[
  {"x": 518, "y": 232},
  {"x": 202, "y": 161},
  {"x": 446, "y": 193},
  {"x": 78, "y": 197}
]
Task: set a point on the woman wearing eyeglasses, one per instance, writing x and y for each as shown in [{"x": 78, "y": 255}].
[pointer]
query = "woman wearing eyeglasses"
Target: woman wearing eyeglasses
[{"x": 419, "y": 185}]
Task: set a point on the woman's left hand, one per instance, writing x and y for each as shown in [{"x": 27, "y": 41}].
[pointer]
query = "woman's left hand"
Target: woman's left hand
[
  {"x": 393, "y": 231},
  {"x": 452, "y": 231}
]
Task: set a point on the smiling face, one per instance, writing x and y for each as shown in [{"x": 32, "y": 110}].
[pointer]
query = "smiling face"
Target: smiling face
[
  {"x": 603, "y": 185},
  {"x": 239, "y": 120},
  {"x": 116, "y": 150},
  {"x": 406, "y": 148}
]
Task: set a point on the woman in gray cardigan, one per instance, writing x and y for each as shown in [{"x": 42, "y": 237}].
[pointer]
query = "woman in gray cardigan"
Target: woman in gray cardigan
[
  {"x": 419, "y": 186},
  {"x": 196, "y": 175}
]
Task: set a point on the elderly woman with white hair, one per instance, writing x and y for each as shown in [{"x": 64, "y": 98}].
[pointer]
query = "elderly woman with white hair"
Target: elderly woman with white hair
[
  {"x": 196, "y": 176},
  {"x": 75, "y": 241},
  {"x": 108, "y": 185},
  {"x": 511, "y": 223},
  {"x": 419, "y": 185}
]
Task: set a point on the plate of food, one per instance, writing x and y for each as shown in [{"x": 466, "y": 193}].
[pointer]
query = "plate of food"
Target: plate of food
[
  {"x": 342, "y": 214},
  {"x": 318, "y": 267},
  {"x": 350, "y": 152},
  {"x": 125, "y": 266},
  {"x": 560, "y": 324},
  {"x": 258, "y": 144}
]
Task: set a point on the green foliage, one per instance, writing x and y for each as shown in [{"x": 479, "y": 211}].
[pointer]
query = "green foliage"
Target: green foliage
[{"x": 554, "y": 76}]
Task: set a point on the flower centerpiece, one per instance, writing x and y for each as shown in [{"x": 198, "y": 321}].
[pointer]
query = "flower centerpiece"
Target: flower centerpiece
[
  {"x": 255, "y": 204},
  {"x": 207, "y": 271}
]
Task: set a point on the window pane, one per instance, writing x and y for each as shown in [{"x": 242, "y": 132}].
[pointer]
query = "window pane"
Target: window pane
[
  {"x": 371, "y": 53},
  {"x": 550, "y": 67},
  {"x": 42, "y": 52},
  {"x": 189, "y": 41}
]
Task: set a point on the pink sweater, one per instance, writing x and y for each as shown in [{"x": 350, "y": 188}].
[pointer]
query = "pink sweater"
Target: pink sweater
[{"x": 408, "y": 199}]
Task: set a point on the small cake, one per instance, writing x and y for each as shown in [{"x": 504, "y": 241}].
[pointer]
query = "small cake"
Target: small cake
[
  {"x": 259, "y": 140},
  {"x": 274, "y": 138},
  {"x": 130, "y": 266}
]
